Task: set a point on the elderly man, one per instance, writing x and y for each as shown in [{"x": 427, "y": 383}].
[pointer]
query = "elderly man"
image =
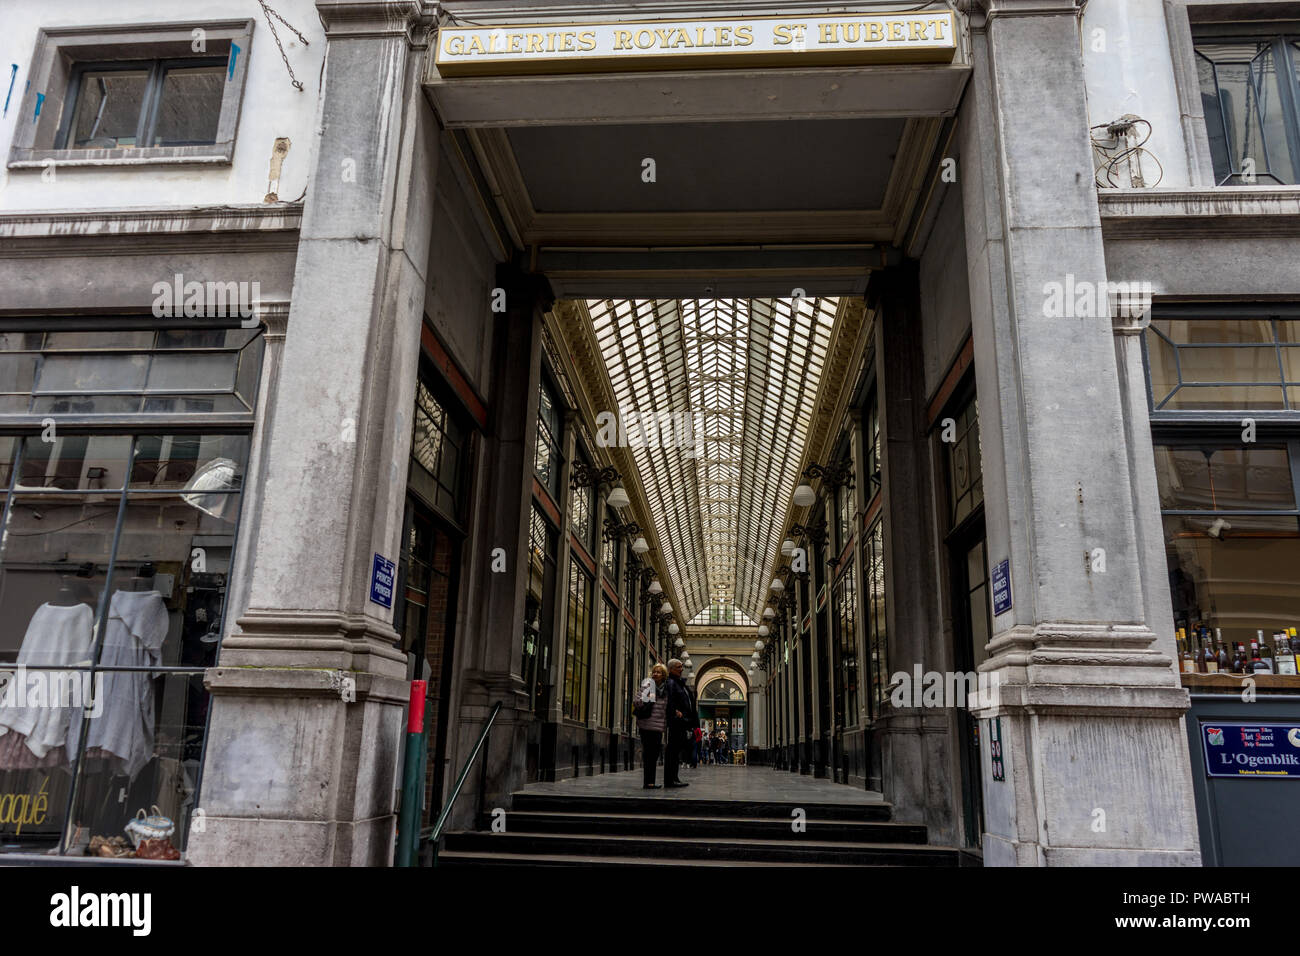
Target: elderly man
[{"x": 682, "y": 720}]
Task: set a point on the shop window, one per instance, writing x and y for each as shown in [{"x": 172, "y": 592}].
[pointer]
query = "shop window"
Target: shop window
[
  {"x": 605, "y": 666},
  {"x": 1249, "y": 96},
  {"x": 1232, "y": 536},
  {"x": 438, "y": 449},
  {"x": 132, "y": 95},
  {"x": 846, "y": 618},
  {"x": 630, "y": 577},
  {"x": 536, "y": 662},
  {"x": 843, "y": 516},
  {"x": 117, "y": 538},
  {"x": 873, "y": 449},
  {"x": 114, "y": 564},
  {"x": 609, "y": 547},
  {"x": 1229, "y": 498},
  {"x": 580, "y": 508},
  {"x": 876, "y": 621},
  {"x": 629, "y": 691},
  {"x": 965, "y": 470},
  {"x": 1207, "y": 362},
  {"x": 546, "y": 451},
  {"x": 576, "y": 643}
]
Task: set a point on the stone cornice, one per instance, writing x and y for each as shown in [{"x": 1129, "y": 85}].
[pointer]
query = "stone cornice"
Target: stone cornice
[
  {"x": 1214, "y": 213},
  {"x": 259, "y": 217}
]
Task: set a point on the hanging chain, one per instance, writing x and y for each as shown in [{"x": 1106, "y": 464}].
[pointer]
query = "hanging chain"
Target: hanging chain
[{"x": 272, "y": 13}]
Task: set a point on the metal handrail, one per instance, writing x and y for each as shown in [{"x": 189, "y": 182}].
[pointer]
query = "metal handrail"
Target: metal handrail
[{"x": 434, "y": 833}]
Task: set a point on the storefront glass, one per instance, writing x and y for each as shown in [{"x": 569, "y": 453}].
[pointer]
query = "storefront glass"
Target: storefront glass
[{"x": 115, "y": 557}]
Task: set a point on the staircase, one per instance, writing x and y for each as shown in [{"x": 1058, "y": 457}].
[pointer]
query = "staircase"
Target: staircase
[{"x": 546, "y": 829}]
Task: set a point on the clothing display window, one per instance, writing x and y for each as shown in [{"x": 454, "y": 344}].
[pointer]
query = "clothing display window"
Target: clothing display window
[{"x": 115, "y": 552}]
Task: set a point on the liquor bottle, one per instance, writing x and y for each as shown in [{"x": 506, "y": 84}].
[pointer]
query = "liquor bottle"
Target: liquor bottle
[
  {"x": 1294, "y": 642},
  {"x": 1225, "y": 663},
  {"x": 1266, "y": 656},
  {"x": 1211, "y": 658},
  {"x": 1256, "y": 664},
  {"x": 1287, "y": 662},
  {"x": 1239, "y": 659},
  {"x": 1185, "y": 653},
  {"x": 1202, "y": 637}
]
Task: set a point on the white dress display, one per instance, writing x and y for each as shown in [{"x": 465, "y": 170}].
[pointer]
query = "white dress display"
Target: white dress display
[
  {"x": 124, "y": 730},
  {"x": 56, "y": 637}
]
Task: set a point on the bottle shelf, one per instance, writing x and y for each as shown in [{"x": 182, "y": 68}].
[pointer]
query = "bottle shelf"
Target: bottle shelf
[{"x": 1230, "y": 683}]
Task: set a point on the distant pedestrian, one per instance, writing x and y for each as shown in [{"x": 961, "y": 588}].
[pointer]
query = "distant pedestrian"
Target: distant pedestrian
[
  {"x": 650, "y": 709},
  {"x": 695, "y": 750}
]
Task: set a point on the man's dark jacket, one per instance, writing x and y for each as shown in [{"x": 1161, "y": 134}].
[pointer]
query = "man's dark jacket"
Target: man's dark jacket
[{"x": 681, "y": 698}]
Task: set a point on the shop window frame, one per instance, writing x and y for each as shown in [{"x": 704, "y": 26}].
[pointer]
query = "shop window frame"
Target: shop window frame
[
  {"x": 61, "y": 52},
  {"x": 1246, "y": 311},
  {"x": 133, "y": 426}
]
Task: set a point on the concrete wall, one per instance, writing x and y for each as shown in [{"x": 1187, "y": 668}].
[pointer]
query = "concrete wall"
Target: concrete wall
[
  {"x": 945, "y": 291},
  {"x": 1128, "y": 68},
  {"x": 271, "y": 108},
  {"x": 458, "y": 297}
]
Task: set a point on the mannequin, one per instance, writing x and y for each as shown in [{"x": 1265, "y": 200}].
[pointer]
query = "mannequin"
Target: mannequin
[
  {"x": 73, "y": 590},
  {"x": 143, "y": 580}
]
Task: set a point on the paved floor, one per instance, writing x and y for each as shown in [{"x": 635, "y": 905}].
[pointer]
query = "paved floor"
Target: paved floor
[{"x": 742, "y": 784}]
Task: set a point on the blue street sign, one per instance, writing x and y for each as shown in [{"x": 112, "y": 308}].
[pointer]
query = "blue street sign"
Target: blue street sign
[
  {"x": 1002, "y": 587},
  {"x": 381, "y": 581}
]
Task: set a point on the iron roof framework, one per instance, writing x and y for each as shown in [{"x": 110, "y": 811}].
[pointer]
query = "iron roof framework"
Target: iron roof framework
[{"x": 715, "y": 398}]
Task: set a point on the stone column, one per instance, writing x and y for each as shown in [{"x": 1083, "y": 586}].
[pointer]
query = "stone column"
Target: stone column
[
  {"x": 916, "y": 740},
  {"x": 1088, "y": 707},
  {"x": 493, "y": 648},
  {"x": 308, "y": 696}
]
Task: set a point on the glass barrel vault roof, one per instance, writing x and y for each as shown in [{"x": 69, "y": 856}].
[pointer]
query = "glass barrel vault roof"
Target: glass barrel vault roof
[{"x": 714, "y": 401}]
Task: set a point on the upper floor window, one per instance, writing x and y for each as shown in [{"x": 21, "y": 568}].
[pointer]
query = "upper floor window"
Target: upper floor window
[
  {"x": 546, "y": 452},
  {"x": 159, "y": 93},
  {"x": 580, "y": 516},
  {"x": 1251, "y": 100},
  {"x": 438, "y": 450},
  {"x": 143, "y": 103},
  {"x": 965, "y": 472}
]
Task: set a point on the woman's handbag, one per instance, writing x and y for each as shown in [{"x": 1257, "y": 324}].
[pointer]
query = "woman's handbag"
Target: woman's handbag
[
  {"x": 152, "y": 826},
  {"x": 643, "y": 709}
]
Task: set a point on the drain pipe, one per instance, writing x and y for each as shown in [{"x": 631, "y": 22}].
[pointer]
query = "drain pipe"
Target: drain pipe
[{"x": 408, "y": 820}]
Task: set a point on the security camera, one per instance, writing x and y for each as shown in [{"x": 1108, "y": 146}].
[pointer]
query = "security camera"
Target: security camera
[{"x": 1217, "y": 527}]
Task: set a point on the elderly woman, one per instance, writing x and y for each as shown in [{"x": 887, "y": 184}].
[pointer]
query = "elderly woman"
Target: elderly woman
[{"x": 652, "y": 701}]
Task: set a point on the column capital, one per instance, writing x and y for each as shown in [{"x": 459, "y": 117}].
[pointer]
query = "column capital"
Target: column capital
[{"x": 412, "y": 19}]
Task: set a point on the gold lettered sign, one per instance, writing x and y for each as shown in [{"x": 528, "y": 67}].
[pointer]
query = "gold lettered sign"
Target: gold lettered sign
[{"x": 923, "y": 37}]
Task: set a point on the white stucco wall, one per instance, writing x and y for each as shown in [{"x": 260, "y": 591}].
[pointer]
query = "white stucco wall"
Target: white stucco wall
[
  {"x": 1128, "y": 69},
  {"x": 271, "y": 108}
]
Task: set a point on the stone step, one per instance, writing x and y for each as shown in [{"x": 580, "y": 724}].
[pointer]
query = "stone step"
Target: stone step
[
  {"x": 689, "y": 849},
  {"x": 460, "y": 858},
  {"x": 675, "y": 803},
  {"x": 709, "y": 827}
]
